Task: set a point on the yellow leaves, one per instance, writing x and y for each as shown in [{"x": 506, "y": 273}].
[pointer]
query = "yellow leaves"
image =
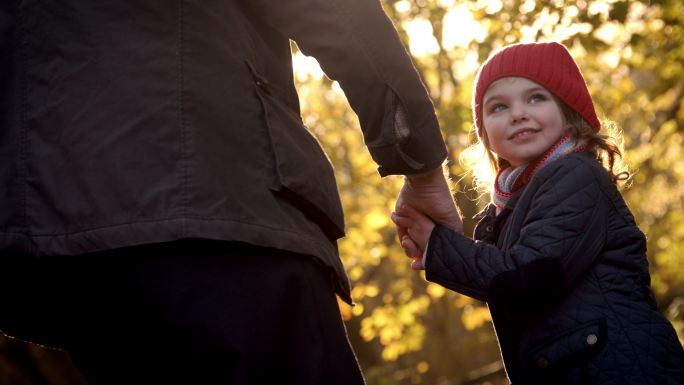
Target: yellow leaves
[
  {"x": 355, "y": 273},
  {"x": 361, "y": 291},
  {"x": 599, "y": 7},
  {"x": 413, "y": 341},
  {"x": 676, "y": 314},
  {"x": 673, "y": 151},
  {"x": 422, "y": 367},
  {"x": 612, "y": 32},
  {"x": 670, "y": 252},
  {"x": 390, "y": 333},
  {"x": 345, "y": 309},
  {"x": 371, "y": 291},
  {"x": 475, "y": 316},
  {"x": 396, "y": 328},
  {"x": 377, "y": 219},
  {"x": 658, "y": 285},
  {"x": 435, "y": 291},
  {"x": 611, "y": 58},
  {"x": 371, "y": 325},
  {"x": 402, "y": 6},
  {"x": 462, "y": 301},
  {"x": 461, "y": 28},
  {"x": 491, "y": 7},
  {"x": 422, "y": 41},
  {"x": 527, "y": 6},
  {"x": 306, "y": 67}
]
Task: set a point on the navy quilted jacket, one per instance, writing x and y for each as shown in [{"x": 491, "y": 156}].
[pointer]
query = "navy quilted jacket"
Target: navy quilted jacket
[{"x": 565, "y": 275}]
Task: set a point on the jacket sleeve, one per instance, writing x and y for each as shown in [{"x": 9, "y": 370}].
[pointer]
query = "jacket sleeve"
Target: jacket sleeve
[
  {"x": 559, "y": 238},
  {"x": 357, "y": 45}
]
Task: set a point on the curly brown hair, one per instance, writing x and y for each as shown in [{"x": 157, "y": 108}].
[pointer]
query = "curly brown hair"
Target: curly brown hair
[{"x": 607, "y": 147}]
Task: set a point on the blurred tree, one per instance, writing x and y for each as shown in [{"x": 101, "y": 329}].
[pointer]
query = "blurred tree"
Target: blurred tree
[{"x": 406, "y": 331}]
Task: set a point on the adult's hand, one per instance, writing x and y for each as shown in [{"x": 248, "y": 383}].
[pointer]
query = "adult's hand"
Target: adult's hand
[{"x": 430, "y": 194}]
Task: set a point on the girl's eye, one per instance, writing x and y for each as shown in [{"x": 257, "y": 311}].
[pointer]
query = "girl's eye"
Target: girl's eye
[
  {"x": 497, "y": 107},
  {"x": 535, "y": 98}
]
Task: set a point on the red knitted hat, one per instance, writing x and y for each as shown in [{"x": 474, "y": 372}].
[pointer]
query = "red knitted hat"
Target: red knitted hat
[{"x": 548, "y": 64}]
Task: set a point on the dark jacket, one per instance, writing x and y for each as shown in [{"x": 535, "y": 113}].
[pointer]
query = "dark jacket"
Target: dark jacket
[
  {"x": 565, "y": 275},
  {"x": 133, "y": 122}
]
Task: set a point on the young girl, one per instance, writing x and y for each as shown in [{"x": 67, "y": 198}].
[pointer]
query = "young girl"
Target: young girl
[{"x": 557, "y": 255}]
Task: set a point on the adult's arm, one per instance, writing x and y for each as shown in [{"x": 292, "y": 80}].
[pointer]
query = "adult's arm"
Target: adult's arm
[{"x": 357, "y": 45}]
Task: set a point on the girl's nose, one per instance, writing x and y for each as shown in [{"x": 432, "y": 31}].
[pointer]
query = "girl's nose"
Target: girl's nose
[{"x": 518, "y": 113}]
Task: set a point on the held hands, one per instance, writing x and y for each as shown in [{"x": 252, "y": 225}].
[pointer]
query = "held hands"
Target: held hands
[
  {"x": 430, "y": 195},
  {"x": 418, "y": 228}
]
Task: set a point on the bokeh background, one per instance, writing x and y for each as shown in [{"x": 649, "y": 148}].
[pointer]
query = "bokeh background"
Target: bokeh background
[{"x": 405, "y": 330}]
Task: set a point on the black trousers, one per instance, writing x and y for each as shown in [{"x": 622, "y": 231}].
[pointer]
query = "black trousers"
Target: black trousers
[{"x": 188, "y": 312}]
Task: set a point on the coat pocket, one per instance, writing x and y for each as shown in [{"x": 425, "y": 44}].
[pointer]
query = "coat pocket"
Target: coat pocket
[
  {"x": 304, "y": 173},
  {"x": 567, "y": 355}
]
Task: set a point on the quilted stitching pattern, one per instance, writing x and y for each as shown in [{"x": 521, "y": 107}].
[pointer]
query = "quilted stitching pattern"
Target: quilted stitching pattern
[{"x": 571, "y": 256}]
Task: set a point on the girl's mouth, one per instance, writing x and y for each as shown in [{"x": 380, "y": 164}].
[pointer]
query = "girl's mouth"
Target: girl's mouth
[{"x": 521, "y": 134}]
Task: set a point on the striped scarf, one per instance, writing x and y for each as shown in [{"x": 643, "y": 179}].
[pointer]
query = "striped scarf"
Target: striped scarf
[{"x": 510, "y": 180}]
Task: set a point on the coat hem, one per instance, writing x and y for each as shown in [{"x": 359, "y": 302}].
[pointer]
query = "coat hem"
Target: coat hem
[{"x": 140, "y": 233}]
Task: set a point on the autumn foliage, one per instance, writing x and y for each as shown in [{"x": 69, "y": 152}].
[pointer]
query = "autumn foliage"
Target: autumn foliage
[{"x": 407, "y": 331}]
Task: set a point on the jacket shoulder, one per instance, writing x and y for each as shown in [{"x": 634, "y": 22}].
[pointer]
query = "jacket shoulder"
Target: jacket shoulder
[{"x": 573, "y": 170}]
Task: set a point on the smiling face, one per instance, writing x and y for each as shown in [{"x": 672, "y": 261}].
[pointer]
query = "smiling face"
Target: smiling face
[{"x": 521, "y": 119}]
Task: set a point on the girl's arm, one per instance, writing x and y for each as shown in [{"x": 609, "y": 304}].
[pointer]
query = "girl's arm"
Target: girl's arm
[{"x": 559, "y": 237}]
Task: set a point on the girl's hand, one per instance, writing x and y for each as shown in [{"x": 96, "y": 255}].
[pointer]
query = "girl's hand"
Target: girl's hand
[
  {"x": 413, "y": 252},
  {"x": 429, "y": 193},
  {"x": 418, "y": 229}
]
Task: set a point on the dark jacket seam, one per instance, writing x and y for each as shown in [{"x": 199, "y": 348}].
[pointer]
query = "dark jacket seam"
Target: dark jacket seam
[
  {"x": 148, "y": 222},
  {"x": 181, "y": 115},
  {"x": 23, "y": 119}
]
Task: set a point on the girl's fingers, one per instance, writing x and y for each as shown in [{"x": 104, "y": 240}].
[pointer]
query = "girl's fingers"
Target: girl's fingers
[
  {"x": 410, "y": 248},
  {"x": 417, "y": 264},
  {"x": 413, "y": 214},
  {"x": 401, "y": 221},
  {"x": 401, "y": 231}
]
